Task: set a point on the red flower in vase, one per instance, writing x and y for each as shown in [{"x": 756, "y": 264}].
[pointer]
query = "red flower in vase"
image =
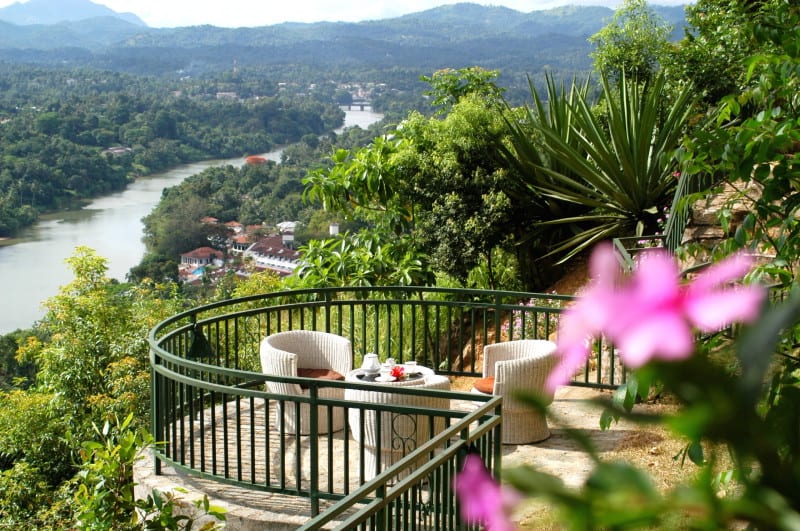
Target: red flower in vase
[{"x": 397, "y": 371}]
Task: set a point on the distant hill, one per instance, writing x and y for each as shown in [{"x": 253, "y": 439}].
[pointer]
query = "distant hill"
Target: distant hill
[
  {"x": 454, "y": 36},
  {"x": 57, "y": 11}
]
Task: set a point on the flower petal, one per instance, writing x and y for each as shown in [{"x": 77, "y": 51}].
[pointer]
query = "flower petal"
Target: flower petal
[
  {"x": 604, "y": 265},
  {"x": 731, "y": 268},
  {"x": 482, "y": 499},
  {"x": 665, "y": 335},
  {"x": 656, "y": 278},
  {"x": 710, "y": 312},
  {"x": 576, "y": 327},
  {"x": 571, "y": 359},
  {"x": 478, "y": 492}
]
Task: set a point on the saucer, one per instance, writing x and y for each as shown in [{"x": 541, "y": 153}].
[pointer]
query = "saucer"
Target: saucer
[{"x": 385, "y": 379}]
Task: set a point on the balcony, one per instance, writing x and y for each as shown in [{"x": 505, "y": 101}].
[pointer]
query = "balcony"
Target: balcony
[{"x": 220, "y": 433}]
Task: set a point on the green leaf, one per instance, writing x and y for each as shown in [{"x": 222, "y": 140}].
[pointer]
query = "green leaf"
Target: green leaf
[
  {"x": 756, "y": 346},
  {"x": 695, "y": 453}
]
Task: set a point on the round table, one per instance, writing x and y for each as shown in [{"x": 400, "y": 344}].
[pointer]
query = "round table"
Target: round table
[{"x": 399, "y": 433}]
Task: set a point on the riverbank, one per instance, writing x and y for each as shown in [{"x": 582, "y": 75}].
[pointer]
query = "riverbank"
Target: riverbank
[{"x": 33, "y": 268}]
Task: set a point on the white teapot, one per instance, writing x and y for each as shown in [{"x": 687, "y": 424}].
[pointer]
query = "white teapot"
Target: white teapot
[{"x": 371, "y": 365}]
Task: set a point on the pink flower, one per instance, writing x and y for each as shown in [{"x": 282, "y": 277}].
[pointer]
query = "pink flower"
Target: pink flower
[
  {"x": 649, "y": 314},
  {"x": 482, "y": 499}
]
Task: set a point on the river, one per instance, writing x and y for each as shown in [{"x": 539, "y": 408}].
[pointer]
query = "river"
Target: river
[{"x": 34, "y": 269}]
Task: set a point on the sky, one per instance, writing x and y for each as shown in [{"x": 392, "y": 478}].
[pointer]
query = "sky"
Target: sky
[{"x": 248, "y": 13}]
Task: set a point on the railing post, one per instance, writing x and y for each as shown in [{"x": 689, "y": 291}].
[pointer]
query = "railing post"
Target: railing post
[
  {"x": 156, "y": 424},
  {"x": 497, "y": 303},
  {"x": 313, "y": 448},
  {"x": 328, "y": 311}
]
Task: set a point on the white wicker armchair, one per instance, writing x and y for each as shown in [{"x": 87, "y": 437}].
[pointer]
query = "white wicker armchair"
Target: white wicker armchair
[
  {"x": 519, "y": 365},
  {"x": 284, "y": 352}
]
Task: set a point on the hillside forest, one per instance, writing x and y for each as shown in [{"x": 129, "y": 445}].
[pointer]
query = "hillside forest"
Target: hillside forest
[{"x": 463, "y": 186}]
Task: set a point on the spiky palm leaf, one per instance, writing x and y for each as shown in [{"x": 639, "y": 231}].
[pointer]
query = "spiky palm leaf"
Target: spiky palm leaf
[{"x": 607, "y": 173}]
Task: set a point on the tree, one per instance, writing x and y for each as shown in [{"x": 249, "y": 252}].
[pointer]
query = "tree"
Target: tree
[
  {"x": 95, "y": 360},
  {"x": 174, "y": 226},
  {"x": 92, "y": 354},
  {"x": 754, "y": 142},
  {"x": 432, "y": 191},
  {"x": 449, "y": 85},
  {"x": 713, "y": 54},
  {"x": 632, "y": 45}
]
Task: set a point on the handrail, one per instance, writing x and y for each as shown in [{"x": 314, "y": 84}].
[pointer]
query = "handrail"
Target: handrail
[
  {"x": 384, "y": 498},
  {"x": 441, "y": 328}
]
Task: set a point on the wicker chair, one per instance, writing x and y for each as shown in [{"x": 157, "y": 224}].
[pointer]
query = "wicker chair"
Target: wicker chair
[
  {"x": 306, "y": 353},
  {"x": 518, "y": 366}
]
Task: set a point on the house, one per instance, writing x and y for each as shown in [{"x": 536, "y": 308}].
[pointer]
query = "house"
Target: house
[
  {"x": 234, "y": 226},
  {"x": 240, "y": 242},
  {"x": 270, "y": 253},
  {"x": 203, "y": 256}
]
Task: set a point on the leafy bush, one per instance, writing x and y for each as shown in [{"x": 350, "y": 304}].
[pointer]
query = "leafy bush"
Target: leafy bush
[{"x": 105, "y": 488}]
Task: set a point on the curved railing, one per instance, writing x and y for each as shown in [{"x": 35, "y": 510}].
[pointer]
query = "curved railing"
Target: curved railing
[
  {"x": 438, "y": 327},
  {"x": 214, "y": 418}
]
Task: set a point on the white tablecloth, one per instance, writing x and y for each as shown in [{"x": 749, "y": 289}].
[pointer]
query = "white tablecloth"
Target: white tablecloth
[{"x": 399, "y": 434}]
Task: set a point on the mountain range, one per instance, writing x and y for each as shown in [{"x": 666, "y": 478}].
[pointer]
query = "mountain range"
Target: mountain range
[
  {"x": 452, "y": 35},
  {"x": 56, "y": 11}
]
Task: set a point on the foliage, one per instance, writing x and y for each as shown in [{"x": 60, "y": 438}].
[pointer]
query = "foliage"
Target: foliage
[
  {"x": 609, "y": 175},
  {"x": 632, "y": 45},
  {"x": 449, "y": 86},
  {"x": 154, "y": 267},
  {"x": 754, "y": 142},
  {"x": 257, "y": 283},
  {"x": 14, "y": 372},
  {"x": 713, "y": 54},
  {"x": 367, "y": 258},
  {"x": 95, "y": 359},
  {"x": 438, "y": 183},
  {"x": 91, "y": 353},
  {"x": 34, "y": 435},
  {"x": 64, "y": 140},
  {"x": 455, "y": 178},
  {"x": 105, "y": 496},
  {"x": 28, "y": 499}
]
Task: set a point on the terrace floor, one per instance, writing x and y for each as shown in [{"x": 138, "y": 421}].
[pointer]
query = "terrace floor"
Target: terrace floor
[{"x": 251, "y": 510}]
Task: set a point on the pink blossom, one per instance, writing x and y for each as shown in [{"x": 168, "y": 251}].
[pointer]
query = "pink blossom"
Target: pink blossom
[
  {"x": 482, "y": 499},
  {"x": 650, "y": 314}
]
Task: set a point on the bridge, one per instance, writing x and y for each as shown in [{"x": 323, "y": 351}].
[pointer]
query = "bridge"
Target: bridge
[{"x": 360, "y": 104}]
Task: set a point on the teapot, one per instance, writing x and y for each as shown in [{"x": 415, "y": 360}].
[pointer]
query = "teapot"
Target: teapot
[{"x": 371, "y": 365}]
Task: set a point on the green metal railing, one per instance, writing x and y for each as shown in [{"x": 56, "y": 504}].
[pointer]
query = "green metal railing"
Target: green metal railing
[
  {"x": 215, "y": 419},
  {"x": 424, "y": 498},
  {"x": 444, "y": 329}
]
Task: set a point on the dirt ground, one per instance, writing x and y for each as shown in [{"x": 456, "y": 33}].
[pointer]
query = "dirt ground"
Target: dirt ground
[{"x": 650, "y": 449}]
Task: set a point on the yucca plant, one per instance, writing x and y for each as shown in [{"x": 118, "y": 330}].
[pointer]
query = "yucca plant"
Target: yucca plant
[{"x": 603, "y": 170}]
